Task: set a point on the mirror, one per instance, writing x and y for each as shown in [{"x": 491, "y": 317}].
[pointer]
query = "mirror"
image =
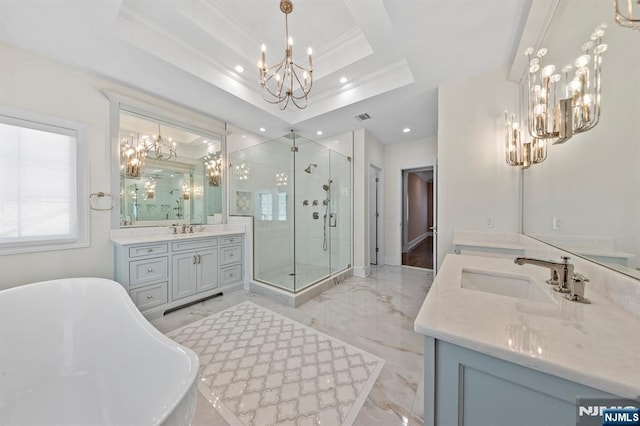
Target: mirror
[
  {"x": 585, "y": 198},
  {"x": 168, "y": 173}
]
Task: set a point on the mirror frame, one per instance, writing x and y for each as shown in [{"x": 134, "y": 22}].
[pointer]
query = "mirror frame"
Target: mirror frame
[{"x": 170, "y": 115}]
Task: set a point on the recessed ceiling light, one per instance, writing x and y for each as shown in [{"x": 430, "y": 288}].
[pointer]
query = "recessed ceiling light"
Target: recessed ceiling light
[
  {"x": 343, "y": 80},
  {"x": 319, "y": 132},
  {"x": 244, "y": 136},
  {"x": 262, "y": 129},
  {"x": 239, "y": 68},
  {"x": 406, "y": 130},
  {"x": 205, "y": 141}
]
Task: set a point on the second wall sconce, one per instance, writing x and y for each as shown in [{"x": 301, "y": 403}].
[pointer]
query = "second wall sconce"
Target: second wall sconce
[{"x": 520, "y": 153}]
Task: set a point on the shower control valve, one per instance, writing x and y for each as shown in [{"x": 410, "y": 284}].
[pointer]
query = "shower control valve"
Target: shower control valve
[
  {"x": 315, "y": 202},
  {"x": 316, "y": 215},
  {"x": 305, "y": 203}
]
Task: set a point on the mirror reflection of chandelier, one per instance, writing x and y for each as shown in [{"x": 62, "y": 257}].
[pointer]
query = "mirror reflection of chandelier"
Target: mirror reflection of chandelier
[
  {"x": 281, "y": 181},
  {"x": 133, "y": 154},
  {"x": 186, "y": 192},
  {"x": 242, "y": 172},
  {"x": 286, "y": 81},
  {"x": 213, "y": 168},
  {"x": 162, "y": 150}
]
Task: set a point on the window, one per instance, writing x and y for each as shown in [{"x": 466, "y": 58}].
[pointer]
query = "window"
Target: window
[
  {"x": 282, "y": 206},
  {"x": 43, "y": 183},
  {"x": 273, "y": 205},
  {"x": 266, "y": 206}
]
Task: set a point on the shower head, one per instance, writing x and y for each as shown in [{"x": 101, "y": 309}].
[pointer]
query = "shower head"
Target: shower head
[
  {"x": 308, "y": 169},
  {"x": 326, "y": 187}
]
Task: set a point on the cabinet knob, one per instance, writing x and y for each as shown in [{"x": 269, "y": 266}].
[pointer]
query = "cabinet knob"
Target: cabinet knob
[
  {"x": 149, "y": 297},
  {"x": 150, "y": 270},
  {"x": 230, "y": 275},
  {"x": 149, "y": 250},
  {"x": 231, "y": 255}
]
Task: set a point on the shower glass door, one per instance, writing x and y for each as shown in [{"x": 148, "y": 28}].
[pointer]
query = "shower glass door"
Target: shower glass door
[
  {"x": 340, "y": 211},
  {"x": 312, "y": 197}
]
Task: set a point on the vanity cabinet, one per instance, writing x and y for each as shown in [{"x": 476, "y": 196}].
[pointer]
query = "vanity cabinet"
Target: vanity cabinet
[
  {"x": 465, "y": 387},
  {"x": 168, "y": 274}
]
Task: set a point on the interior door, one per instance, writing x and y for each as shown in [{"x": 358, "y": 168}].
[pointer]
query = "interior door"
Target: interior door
[{"x": 374, "y": 215}]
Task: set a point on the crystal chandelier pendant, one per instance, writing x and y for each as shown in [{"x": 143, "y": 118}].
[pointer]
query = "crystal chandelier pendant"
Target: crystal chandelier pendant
[{"x": 286, "y": 81}]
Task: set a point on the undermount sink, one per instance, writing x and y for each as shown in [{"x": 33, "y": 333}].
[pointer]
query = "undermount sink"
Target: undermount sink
[{"x": 504, "y": 284}]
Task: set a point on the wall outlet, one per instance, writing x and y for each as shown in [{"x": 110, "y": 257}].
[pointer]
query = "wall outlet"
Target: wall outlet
[
  {"x": 488, "y": 222},
  {"x": 557, "y": 223}
]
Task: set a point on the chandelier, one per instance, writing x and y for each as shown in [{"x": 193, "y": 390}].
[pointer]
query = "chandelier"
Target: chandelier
[
  {"x": 560, "y": 106},
  {"x": 286, "y": 81},
  {"x": 213, "y": 168},
  {"x": 133, "y": 154},
  {"x": 517, "y": 152},
  {"x": 626, "y": 18}
]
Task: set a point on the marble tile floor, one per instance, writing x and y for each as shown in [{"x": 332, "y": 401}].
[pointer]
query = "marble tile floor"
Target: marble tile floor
[{"x": 375, "y": 314}]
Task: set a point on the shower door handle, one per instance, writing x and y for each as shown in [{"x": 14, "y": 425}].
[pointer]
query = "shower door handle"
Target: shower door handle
[{"x": 332, "y": 220}]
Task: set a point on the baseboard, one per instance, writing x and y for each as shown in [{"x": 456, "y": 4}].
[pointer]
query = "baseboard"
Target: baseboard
[{"x": 417, "y": 240}]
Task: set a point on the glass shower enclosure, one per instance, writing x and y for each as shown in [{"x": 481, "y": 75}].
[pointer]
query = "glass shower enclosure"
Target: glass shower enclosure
[{"x": 299, "y": 194}]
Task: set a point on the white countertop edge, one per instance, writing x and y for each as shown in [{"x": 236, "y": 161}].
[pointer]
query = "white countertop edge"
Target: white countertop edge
[
  {"x": 538, "y": 364},
  {"x": 489, "y": 244},
  {"x": 142, "y": 239}
]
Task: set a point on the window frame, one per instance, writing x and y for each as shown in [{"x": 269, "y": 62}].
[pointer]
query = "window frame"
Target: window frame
[{"x": 81, "y": 237}]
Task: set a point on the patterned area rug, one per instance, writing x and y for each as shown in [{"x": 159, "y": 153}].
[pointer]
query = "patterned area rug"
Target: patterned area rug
[{"x": 260, "y": 368}]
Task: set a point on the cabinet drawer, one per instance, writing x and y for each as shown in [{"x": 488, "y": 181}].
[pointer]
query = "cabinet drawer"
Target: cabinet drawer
[
  {"x": 150, "y": 296},
  {"x": 194, "y": 244},
  {"x": 235, "y": 239},
  {"x": 147, "y": 250},
  {"x": 148, "y": 270},
  {"x": 230, "y": 275},
  {"x": 231, "y": 254}
]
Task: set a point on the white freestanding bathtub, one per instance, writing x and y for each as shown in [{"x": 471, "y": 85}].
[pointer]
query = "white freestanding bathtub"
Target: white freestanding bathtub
[{"x": 78, "y": 352}]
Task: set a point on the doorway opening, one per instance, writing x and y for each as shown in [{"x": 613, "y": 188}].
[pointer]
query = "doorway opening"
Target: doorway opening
[{"x": 418, "y": 217}]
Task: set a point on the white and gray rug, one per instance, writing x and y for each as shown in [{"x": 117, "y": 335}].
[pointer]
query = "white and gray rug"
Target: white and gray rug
[{"x": 260, "y": 368}]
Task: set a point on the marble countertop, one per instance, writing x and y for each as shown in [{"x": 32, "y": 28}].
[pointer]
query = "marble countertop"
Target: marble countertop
[
  {"x": 131, "y": 236},
  {"x": 504, "y": 240},
  {"x": 595, "y": 345}
]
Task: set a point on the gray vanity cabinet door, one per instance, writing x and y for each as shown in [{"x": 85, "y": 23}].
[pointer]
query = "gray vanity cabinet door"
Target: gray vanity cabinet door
[
  {"x": 184, "y": 275},
  {"x": 207, "y": 270}
]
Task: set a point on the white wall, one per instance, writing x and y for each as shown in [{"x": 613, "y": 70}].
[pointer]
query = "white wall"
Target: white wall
[
  {"x": 367, "y": 150},
  {"x": 397, "y": 157},
  {"x": 474, "y": 182},
  {"x": 36, "y": 84}
]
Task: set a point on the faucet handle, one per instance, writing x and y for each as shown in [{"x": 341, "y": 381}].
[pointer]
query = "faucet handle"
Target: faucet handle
[
  {"x": 577, "y": 289},
  {"x": 565, "y": 259}
]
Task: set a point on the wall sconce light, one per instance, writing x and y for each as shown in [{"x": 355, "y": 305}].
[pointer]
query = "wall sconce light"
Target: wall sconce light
[
  {"x": 186, "y": 192},
  {"x": 150, "y": 188},
  {"x": 132, "y": 157},
  {"x": 281, "y": 181},
  {"x": 559, "y": 110},
  {"x": 517, "y": 152},
  {"x": 626, "y": 18},
  {"x": 213, "y": 168}
]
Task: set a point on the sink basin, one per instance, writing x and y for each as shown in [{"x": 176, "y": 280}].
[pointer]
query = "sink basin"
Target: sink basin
[{"x": 504, "y": 284}]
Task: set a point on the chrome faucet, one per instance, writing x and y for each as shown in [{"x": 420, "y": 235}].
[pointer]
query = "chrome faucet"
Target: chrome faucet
[
  {"x": 562, "y": 275},
  {"x": 561, "y": 272}
]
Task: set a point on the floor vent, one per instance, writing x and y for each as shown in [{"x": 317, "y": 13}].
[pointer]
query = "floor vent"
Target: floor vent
[{"x": 362, "y": 117}]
